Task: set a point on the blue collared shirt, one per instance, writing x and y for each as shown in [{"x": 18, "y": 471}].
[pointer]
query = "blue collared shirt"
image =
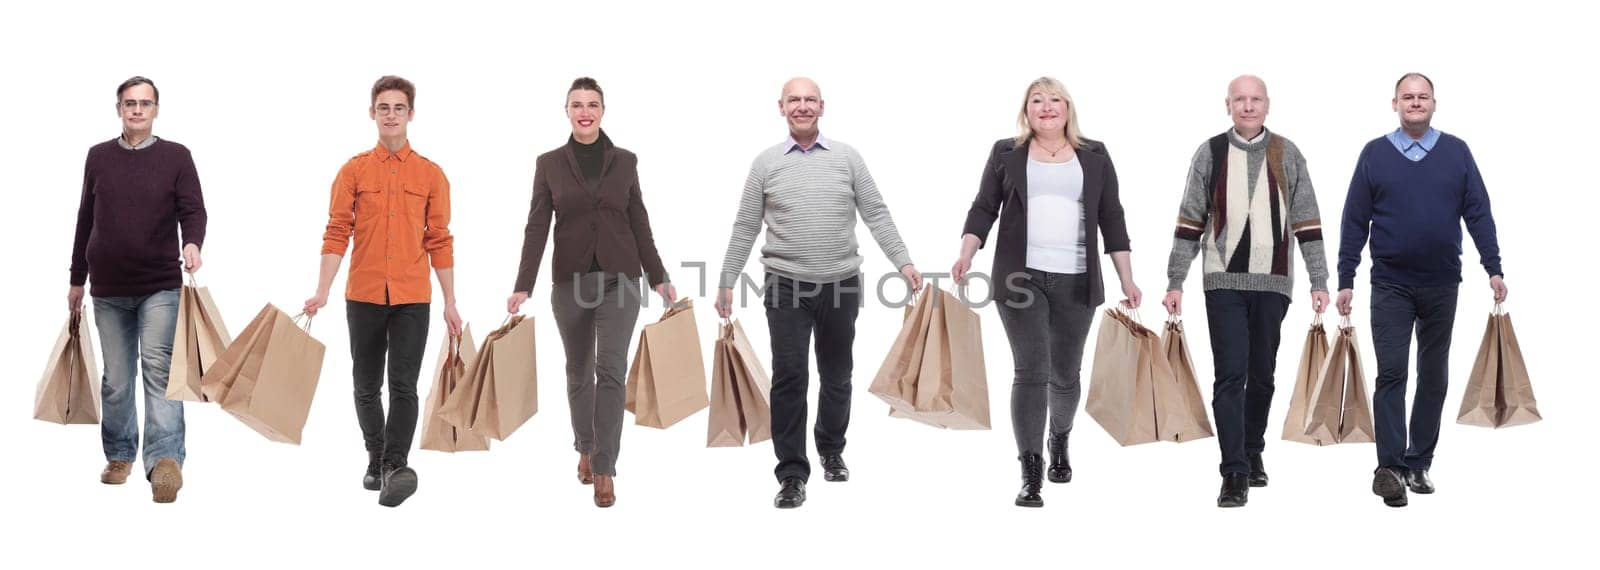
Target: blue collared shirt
[
  {"x": 791, "y": 145},
  {"x": 1414, "y": 149}
]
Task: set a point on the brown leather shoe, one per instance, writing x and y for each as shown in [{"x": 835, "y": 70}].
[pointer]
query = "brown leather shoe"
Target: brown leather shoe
[
  {"x": 116, "y": 472},
  {"x": 605, "y": 491},
  {"x": 585, "y": 476},
  {"x": 165, "y": 480}
]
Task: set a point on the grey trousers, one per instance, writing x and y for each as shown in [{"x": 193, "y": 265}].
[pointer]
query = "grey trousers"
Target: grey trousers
[
  {"x": 595, "y": 314},
  {"x": 1047, "y": 321}
]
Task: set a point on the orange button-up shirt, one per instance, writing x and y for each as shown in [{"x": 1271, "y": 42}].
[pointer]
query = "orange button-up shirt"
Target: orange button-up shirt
[{"x": 397, "y": 205}]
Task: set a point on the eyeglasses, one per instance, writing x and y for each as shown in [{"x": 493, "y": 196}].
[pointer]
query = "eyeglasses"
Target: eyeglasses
[
  {"x": 385, "y": 109},
  {"x": 131, "y": 104}
]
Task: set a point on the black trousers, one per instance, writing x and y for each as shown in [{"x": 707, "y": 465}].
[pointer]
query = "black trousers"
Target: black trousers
[
  {"x": 1397, "y": 311},
  {"x": 1245, "y": 330},
  {"x": 794, "y": 310},
  {"x": 398, "y": 334}
]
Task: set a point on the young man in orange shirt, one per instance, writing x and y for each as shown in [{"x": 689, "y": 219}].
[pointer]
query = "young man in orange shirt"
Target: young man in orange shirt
[{"x": 396, "y": 204}]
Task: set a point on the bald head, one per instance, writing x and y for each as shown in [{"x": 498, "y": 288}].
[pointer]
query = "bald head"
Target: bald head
[
  {"x": 1247, "y": 105},
  {"x": 801, "y": 86}
]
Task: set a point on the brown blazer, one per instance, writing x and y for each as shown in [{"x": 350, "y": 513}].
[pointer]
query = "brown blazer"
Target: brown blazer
[
  {"x": 1005, "y": 182},
  {"x": 604, "y": 221}
]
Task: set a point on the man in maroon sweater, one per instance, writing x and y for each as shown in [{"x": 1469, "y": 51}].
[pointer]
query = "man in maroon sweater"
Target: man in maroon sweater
[{"x": 138, "y": 192}]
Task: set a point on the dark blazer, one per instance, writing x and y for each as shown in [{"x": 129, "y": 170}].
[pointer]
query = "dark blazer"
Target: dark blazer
[
  {"x": 1003, "y": 194},
  {"x": 603, "y": 220}
]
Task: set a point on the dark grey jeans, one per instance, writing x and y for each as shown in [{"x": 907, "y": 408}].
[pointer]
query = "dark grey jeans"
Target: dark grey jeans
[
  {"x": 1047, "y": 322},
  {"x": 595, "y": 313}
]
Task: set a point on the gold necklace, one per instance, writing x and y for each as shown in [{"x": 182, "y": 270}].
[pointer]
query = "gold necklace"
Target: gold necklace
[{"x": 1056, "y": 151}]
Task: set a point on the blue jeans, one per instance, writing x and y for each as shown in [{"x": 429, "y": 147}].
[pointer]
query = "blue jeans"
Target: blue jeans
[
  {"x": 1397, "y": 311},
  {"x": 138, "y": 331}
]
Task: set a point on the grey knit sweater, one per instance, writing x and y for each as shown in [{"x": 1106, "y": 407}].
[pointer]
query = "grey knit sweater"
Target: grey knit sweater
[
  {"x": 809, "y": 202},
  {"x": 1242, "y": 215}
]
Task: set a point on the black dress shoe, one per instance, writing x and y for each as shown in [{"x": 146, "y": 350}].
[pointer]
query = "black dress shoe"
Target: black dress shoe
[
  {"x": 398, "y": 485},
  {"x": 1060, "y": 469},
  {"x": 373, "y": 480},
  {"x": 1388, "y": 483},
  {"x": 1235, "y": 490},
  {"x": 791, "y": 495},
  {"x": 1258, "y": 471},
  {"x": 1419, "y": 482},
  {"x": 1032, "y": 468},
  {"x": 833, "y": 468}
]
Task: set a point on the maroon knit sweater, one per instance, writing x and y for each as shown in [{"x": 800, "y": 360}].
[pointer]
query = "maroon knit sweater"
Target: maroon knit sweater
[{"x": 134, "y": 202}]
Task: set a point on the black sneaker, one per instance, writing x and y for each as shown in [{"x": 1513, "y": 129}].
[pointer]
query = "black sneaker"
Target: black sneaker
[{"x": 398, "y": 485}]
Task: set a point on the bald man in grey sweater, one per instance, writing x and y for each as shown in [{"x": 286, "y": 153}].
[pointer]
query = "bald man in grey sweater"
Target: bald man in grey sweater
[{"x": 808, "y": 191}]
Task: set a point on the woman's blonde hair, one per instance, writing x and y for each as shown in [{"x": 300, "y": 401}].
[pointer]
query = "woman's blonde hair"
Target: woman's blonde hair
[{"x": 1051, "y": 86}]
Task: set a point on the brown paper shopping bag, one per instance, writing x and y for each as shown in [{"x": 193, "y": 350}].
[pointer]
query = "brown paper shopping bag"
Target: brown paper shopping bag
[
  {"x": 739, "y": 411},
  {"x": 508, "y": 373},
  {"x": 667, "y": 381},
  {"x": 69, "y": 391},
  {"x": 1499, "y": 391},
  {"x": 200, "y": 338},
  {"x": 952, "y": 389},
  {"x": 896, "y": 380},
  {"x": 1340, "y": 410},
  {"x": 1180, "y": 409},
  {"x": 218, "y": 379},
  {"x": 273, "y": 389},
  {"x": 1313, "y": 355},
  {"x": 1121, "y": 395},
  {"x": 438, "y": 435}
]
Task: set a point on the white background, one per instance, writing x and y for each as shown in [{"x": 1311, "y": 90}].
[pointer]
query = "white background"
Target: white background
[{"x": 271, "y": 98}]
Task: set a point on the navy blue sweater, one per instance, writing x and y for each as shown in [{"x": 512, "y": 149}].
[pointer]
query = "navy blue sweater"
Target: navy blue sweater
[{"x": 1414, "y": 212}]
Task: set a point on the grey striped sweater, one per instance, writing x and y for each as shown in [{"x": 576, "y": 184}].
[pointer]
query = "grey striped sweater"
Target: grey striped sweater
[{"x": 808, "y": 202}]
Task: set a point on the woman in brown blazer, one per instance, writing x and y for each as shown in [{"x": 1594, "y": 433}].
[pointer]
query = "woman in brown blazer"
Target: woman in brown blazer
[
  {"x": 1053, "y": 191},
  {"x": 603, "y": 248}
]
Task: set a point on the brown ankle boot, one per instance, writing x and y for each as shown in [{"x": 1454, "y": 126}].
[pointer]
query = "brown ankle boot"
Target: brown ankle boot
[
  {"x": 605, "y": 491},
  {"x": 116, "y": 472},
  {"x": 584, "y": 475}
]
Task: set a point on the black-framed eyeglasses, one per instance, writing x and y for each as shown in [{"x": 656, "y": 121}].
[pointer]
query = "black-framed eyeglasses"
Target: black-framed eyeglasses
[{"x": 131, "y": 104}]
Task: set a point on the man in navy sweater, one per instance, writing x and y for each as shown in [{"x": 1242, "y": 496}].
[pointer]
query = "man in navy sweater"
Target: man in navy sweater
[{"x": 1411, "y": 190}]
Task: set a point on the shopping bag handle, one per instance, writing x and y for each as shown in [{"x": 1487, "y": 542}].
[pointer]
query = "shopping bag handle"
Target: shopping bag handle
[
  {"x": 296, "y": 320},
  {"x": 1344, "y": 322},
  {"x": 1316, "y": 321},
  {"x": 1499, "y": 308},
  {"x": 193, "y": 281}
]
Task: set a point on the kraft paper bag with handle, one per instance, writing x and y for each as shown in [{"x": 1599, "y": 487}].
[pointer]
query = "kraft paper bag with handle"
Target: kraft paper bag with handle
[
  {"x": 747, "y": 386},
  {"x": 218, "y": 379},
  {"x": 1121, "y": 396},
  {"x": 273, "y": 389},
  {"x": 1340, "y": 410},
  {"x": 896, "y": 380},
  {"x": 952, "y": 389},
  {"x": 510, "y": 384},
  {"x": 200, "y": 338},
  {"x": 1499, "y": 391},
  {"x": 667, "y": 381},
  {"x": 1180, "y": 409},
  {"x": 438, "y": 435},
  {"x": 1313, "y": 355},
  {"x": 69, "y": 391}
]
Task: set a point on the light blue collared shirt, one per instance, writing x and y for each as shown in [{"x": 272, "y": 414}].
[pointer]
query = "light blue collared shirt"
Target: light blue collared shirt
[
  {"x": 1414, "y": 149},
  {"x": 791, "y": 145}
]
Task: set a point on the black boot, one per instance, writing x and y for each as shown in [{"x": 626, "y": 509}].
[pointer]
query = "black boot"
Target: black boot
[
  {"x": 1258, "y": 471},
  {"x": 373, "y": 480},
  {"x": 1032, "y": 466},
  {"x": 1060, "y": 468},
  {"x": 1235, "y": 490}
]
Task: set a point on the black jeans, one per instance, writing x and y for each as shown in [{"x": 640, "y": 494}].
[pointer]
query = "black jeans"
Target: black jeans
[
  {"x": 794, "y": 310},
  {"x": 1397, "y": 310},
  {"x": 398, "y": 333},
  {"x": 1047, "y": 321},
  {"x": 1245, "y": 330}
]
